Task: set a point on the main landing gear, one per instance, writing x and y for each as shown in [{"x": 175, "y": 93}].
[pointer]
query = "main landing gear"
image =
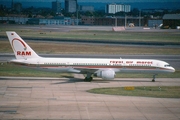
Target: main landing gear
[
  {"x": 88, "y": 78},
  {"x": 154, "y": 77}
]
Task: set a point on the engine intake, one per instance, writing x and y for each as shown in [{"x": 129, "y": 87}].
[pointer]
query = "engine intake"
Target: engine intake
[{"x": 106, "y": 74}]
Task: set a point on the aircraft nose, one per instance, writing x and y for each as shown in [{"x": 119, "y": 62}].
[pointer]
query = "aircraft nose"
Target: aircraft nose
[{"x": 173, "y": 70}]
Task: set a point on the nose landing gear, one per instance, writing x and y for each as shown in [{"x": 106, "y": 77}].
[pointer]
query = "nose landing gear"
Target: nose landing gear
[{"x": 154, "y": 77}]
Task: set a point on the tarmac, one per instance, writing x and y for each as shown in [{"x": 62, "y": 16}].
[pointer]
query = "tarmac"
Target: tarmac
[{"x": 66, "y": 98}]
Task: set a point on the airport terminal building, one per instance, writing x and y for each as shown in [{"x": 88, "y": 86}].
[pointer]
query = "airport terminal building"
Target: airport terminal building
[
  {"x": 168, "y": 21},
  {"x": 171, "y": 21},
  {"x": 39, "y": 21}
]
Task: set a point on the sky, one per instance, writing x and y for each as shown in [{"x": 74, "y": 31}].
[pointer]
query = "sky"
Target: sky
[
  {"x": 167, "y": 4},
  {"x": 109, "y": 1}
]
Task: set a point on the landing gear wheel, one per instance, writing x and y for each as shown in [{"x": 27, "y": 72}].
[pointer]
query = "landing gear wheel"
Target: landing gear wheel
[
  {"x": 88, "y": 79},
  {"x": 154, "y": 77}
]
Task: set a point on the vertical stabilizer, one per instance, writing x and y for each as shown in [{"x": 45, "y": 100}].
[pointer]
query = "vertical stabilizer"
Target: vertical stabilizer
[{"x": 21, "y": 49}]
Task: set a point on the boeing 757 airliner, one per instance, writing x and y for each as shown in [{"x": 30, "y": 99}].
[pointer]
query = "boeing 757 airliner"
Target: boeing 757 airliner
[{"x": 103, "y": 68}]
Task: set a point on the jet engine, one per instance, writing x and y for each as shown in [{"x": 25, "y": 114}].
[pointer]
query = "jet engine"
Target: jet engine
[{"x": 106, "y": 74}]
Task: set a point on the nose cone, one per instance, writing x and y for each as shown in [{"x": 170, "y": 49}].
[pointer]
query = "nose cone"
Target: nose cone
[{"x": 172, "y": 69}]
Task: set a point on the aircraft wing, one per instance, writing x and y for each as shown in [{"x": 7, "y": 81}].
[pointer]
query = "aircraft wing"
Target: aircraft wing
[{"x": 86, "y": 70}]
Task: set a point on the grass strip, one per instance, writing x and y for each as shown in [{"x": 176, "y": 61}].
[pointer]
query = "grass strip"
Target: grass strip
[
  {"x": 146, "y": 91},
  {"x": 64, "y": 48},
  {"x": 18, "y": 71},
  {"x": 97, "y": 35}
]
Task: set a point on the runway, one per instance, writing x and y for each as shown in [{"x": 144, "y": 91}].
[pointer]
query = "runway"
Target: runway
[{"x": 59, "y": 98}]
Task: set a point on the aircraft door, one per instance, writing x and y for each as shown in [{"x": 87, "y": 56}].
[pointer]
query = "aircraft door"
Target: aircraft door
[
  {"x": 38, "y": 63},
  {"x": 157, "y": 65}
]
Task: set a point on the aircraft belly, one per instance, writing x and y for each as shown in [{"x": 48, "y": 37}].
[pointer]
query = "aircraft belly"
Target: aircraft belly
[
  {"x": 143, "y": 71},
  {"x": 60, "y": 69}
]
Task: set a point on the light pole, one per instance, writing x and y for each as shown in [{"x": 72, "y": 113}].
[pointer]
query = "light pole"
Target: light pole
[
  {"x": 115, "y": 21},
  {"x": 125, "y": 21},
  {"x": 77, "y": 14},
  {"x": 140, "y": 18}
]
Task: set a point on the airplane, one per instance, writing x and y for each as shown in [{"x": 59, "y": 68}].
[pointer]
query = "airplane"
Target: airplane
[{"x": 103, "y": 68}]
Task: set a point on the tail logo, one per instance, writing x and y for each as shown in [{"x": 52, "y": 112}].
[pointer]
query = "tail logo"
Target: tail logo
[{"x": 20, "y": 52}]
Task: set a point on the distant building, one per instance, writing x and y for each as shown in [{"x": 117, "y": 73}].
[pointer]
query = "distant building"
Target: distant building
[
  {"x": 56, "y": 6},
  {"x": 58, "y": 20},
  {"x": 111, "y": 8},
  {"x": 127, "y": 8},
  {"x": 171, "y": 20},
  {"x": 13, "y": 20},
  {"x": 33, "y": 21},
  {"x": 18, "y": 7},
  {"x": 114, "y": 8},
  {"x": 52, "y": 21},
  {"x": 111, "y": 21},
  {"x": 154, "y": 22},
  {"x": 70, "y": 6},
  {"x": 87, "y": 20},
  {"x": 86, "y": 8}
]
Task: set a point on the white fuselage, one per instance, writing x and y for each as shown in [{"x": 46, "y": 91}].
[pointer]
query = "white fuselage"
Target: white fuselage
[{"x": 83, "y": 65}]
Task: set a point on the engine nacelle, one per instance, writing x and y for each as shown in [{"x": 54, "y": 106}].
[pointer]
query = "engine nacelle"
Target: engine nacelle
[{"x": 106, "y": 74}]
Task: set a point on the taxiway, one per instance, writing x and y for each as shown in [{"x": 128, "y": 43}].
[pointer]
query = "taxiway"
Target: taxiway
[{"x": 64, "y": 98}]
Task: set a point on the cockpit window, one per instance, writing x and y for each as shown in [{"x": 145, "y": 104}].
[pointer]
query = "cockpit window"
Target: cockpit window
[{"x": 167, "y": 66}]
